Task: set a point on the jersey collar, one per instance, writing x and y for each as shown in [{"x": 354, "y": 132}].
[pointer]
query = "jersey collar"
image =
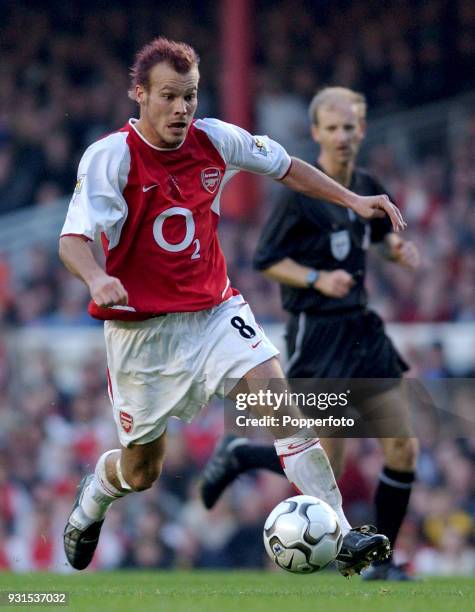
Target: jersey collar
[{"x": 133, "y": 121}]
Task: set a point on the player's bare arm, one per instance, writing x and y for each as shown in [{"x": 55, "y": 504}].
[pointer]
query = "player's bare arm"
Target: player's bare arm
[
  {"x": 335, "y": 283},
  {"x": 400, "y": 251},
  {"x": 77, "y": 256},
  {"x": 312, "y": 182}
]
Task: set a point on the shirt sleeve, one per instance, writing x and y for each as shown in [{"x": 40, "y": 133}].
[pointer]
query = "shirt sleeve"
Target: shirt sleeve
[
  {"x": 98, "y": 204},
  {"x": 242, "y": 150},
  {"x": 382, "y": 226},
  {"x": 279, "y": 237}
]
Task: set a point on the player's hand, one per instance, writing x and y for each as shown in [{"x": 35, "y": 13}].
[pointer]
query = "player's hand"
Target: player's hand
[
  {"x": 370, "y": 207},
  {"x": 404, "y": 252},
  {"x": 108, "y": 291},
  {"x": 334, "y": 284}
]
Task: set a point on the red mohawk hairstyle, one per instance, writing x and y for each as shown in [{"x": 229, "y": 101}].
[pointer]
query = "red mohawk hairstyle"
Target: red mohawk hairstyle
[{"x": 180, "y": 56}]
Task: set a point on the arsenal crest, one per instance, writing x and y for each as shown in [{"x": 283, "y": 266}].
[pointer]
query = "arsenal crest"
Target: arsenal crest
[
  {"x": 126, "y": 421},
  {"x": 211, "y": 178}
]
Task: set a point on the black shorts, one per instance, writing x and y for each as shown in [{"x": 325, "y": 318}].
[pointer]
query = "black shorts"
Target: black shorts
[{"x": 345, "y": 345}]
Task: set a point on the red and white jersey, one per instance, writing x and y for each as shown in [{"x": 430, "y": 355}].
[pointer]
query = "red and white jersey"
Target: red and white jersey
[{"x": 157, "y": 212}]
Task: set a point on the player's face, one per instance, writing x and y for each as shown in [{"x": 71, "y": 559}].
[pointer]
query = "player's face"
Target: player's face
[
  {"x": 339, "y": 132},
  {"x": 168, "y": 106}
]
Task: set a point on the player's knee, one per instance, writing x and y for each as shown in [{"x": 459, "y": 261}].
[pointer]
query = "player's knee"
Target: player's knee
[
  {"x": 402, "y": 454},
  {"x": 143, "y": 477}
]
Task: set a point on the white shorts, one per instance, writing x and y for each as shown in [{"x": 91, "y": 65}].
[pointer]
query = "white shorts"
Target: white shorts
[{"x": 173, "y": 365}]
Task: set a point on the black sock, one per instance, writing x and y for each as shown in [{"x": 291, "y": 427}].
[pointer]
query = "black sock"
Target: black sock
[
  {"x": 391, "y": 501},
  {"x": 258, "y": 456}
]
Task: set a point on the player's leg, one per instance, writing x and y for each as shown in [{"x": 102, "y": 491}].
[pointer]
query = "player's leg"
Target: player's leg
[
  {"x": 136, "y": 467},
  {"x": 309, "y": 358},
  {"x": 239, "y": 352},
  {"x": 308, "y": 470},
  {"x": 117, "y": 473},
  {"x": 307, "y": 467},
  {"x": 234, "y": 456},
  {"x": 141, "y": 403},
  {"x": 335, "y": 450}
]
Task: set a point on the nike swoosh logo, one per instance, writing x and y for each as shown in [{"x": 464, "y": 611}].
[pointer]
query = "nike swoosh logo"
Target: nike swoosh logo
[
  {"x": 89, "y": 541},
  {"x": 302, "y": 445},
  {"x": 145, "y": 189},
  {"x": 345, "y": 555},
  {"x": 255, "y": 345}
]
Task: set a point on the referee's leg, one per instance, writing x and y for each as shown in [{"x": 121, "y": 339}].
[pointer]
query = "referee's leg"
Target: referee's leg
[{"x": 400, "y": 449}]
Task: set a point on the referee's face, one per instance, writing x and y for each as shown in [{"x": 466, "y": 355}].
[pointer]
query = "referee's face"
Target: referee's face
[{"x": 339, "y": 131}]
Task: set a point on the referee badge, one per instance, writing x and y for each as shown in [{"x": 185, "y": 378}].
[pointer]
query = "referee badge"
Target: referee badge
[{"x": 340, "y": 244}]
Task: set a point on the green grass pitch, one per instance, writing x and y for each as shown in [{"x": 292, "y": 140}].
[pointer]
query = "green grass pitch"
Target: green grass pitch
[{"x": 202, "y": 591}]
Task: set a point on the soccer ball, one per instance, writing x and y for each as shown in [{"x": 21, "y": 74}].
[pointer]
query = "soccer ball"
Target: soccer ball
[{"x": 302, "y": 534}]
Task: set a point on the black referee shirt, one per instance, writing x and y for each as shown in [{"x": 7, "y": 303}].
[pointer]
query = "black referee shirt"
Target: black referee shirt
[{"x": 323, "y": 236}]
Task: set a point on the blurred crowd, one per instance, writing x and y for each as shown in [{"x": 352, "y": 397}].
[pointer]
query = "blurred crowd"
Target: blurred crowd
[
  {"x": 64, "y": 85},
  {"x": 437, "y": 197},
  {"x": 64, "y": 81},
  {"x": 56, "y": 432}
]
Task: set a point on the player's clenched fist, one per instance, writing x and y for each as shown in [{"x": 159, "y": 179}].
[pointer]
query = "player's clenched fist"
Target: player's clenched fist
[
  {"x": 334, "y": 284},
  {"x": 108, "y": 291},
  {"x": 370, "y": 207}
]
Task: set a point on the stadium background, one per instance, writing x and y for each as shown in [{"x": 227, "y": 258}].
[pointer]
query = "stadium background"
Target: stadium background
[{"x": 64, "y": 80}]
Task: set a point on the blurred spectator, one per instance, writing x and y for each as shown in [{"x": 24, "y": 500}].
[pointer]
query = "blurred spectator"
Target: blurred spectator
[
  {"x": 453, "y": 557},
  {"x": 435, "y": 364}
]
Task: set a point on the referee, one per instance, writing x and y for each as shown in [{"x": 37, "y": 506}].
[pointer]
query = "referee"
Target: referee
[{"x": 318, "y": 256}]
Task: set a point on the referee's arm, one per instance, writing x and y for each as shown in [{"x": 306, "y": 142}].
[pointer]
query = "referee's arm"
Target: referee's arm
[
  {"x": 400, "y": 251},
  {"x": 336, "y": 283},
  {"x": 391, "y": 245}
]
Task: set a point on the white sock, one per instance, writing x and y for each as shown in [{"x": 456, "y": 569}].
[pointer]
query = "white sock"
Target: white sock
[
  {"x": 97, "y": 496},
  {"x": 306, "y": 465}
]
